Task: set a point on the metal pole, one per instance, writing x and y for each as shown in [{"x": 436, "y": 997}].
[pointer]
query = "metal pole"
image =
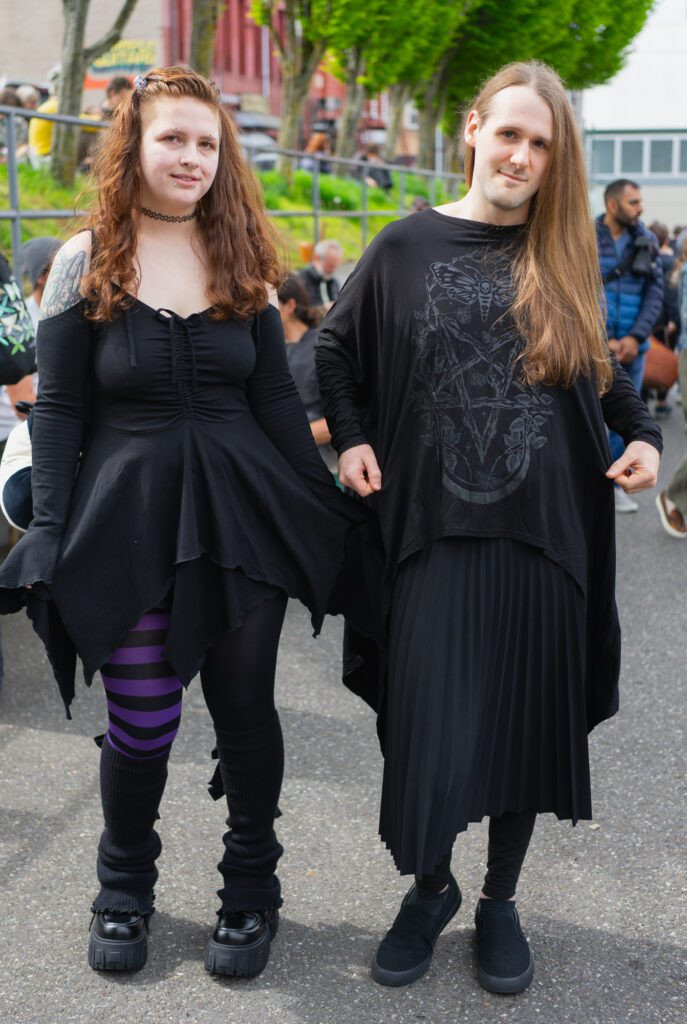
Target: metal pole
[
  {"x": 402, "y": 191},
  {"x": 364, "y": 215},
  {"x": 438, "y": 148},
  {"x": 265, "y": 55},
  {"x": 316, "y": 200},
  {"x": 15, "y": 228}
]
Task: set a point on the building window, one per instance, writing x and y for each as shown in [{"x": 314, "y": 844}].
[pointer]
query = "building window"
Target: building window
[
  {"x": 661, "y": 156},
  {"x": 603, "y": 156},
  {"x": 631, "y": 156},
  {"x": 683, "y": 156}
]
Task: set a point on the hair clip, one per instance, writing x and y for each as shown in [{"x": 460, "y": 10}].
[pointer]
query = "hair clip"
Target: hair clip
[{"x": 140, "y": 83}]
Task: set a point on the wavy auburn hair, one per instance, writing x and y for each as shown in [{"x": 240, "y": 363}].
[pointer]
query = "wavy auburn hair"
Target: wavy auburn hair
[
  {"x": 558, "y": 306},
  {"x": 239, "y": 243}
]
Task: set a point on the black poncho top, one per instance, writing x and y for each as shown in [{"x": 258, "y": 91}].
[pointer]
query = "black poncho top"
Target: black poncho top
[
  {"x": 419, "y": 358},
  {"x": 173, "y": 461}
]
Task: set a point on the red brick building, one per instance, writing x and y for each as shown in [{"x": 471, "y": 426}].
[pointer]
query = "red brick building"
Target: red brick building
[{"x": 247, "y": 67}]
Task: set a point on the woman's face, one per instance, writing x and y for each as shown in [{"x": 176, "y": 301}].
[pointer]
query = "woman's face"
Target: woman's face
[
  {"x": 286, "y": 310},
  {"x": 179, "y": 153}
]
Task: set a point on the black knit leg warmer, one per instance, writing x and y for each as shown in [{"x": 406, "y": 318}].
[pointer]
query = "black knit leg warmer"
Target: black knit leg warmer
[
  {"x": 131, "y": 790},
  {"x": 252, "y": 766}
]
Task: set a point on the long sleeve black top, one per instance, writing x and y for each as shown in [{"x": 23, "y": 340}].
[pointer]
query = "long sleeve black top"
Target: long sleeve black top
[{"x": 419, "y": 358}]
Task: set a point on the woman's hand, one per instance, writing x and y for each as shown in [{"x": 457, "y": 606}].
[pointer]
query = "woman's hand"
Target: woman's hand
[
  {"x": 637, "y": 467},
  {"x": 359, "y": 470}
]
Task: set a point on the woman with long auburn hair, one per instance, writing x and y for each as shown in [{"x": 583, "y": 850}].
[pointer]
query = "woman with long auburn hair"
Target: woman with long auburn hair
[
  {"x": 179, "y": 498},
  {"x": 466, "y": 381}
]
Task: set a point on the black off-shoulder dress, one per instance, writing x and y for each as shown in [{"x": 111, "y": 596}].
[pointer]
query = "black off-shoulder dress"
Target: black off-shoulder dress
[{"x": 173, "y": 461}]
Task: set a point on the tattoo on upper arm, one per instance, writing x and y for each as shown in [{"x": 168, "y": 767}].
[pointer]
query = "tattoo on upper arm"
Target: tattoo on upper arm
[{"x": 63, "y": 289}]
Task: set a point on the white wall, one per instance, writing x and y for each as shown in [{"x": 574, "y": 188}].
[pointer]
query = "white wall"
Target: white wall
[
  {"x": 31, "y": 36},
  {"x": 651, "y": 90}
]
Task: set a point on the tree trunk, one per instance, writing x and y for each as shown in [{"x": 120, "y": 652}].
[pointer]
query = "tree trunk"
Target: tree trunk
[
  {"x": 398, "y": 97},
  {"x": 353, "y": 105},
  {"x": 426, "y": 137},
  {"x": 65, "y": 138},
  {"x": 299, "y": 61},
  {"x": 295, "y": 94},
  {"x": 203, "y": 32},
  {"x": 75, "y": 60},
  {"x": 430, "y": 113}
]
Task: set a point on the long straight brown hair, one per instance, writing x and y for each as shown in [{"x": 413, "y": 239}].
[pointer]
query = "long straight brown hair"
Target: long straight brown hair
[
  {"x": 239, "y": 243},
  {"x": 558, "y": 305}
]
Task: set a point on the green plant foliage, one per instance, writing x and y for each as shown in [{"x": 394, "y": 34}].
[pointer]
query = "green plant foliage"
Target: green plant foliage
[{"x": 39, "y": 191}]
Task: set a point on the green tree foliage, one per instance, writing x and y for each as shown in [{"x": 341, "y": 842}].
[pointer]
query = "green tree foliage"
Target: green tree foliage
[
  {"x": 301, "y": 50},
  {"x": 438, "y": 51},
  {"x": 586, "y": 41},
  {"x": 379, "y": 45},
  {"x": 206, "y": 14}
]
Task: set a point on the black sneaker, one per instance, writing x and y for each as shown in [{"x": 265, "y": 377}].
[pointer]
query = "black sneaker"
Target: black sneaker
[
  {"x": 240, "y": 944},
  {"x": 118, "y": 941},
  {"x": 406, "y": 951},
  {"x": 504, "y": 960}
]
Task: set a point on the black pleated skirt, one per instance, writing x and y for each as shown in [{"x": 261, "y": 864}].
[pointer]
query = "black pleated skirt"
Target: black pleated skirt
[{"x": 485, "y": 700}]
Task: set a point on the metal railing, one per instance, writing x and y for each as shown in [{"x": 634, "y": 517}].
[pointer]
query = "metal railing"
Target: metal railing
[{"x": 319, "y": 211}]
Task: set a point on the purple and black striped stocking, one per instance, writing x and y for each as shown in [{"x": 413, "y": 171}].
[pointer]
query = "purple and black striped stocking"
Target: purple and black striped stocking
[
  {"x": 144, "y": 709},
  {"x": 143, "y": 693}
]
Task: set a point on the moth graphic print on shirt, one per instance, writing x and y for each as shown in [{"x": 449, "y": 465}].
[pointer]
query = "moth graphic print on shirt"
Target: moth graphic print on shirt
[{"x": 476, "y": 411}]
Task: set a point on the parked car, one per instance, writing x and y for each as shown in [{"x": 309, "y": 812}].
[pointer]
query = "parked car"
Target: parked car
[{"x": 258, "y": 148}]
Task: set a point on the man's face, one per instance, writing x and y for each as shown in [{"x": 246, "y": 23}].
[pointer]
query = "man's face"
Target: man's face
[
  {"x": 512, "y": 148},
  {"x": 627, "y": 208},
  {"x": 113, "y": 99},
  {"x": 330, "y": 262}
]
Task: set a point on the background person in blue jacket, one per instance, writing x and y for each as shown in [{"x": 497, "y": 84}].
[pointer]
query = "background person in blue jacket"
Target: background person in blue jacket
[{"x": 633, "y": 283}]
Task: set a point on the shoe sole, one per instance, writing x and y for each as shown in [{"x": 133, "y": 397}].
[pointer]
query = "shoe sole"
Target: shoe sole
[
  {"x": 664, "y": 521},
  {"x": 395, "y": 979},
  {"x": 117, "y": 955},
  {"x": 506, "y": 986},
  {"x": 240, "y": 961}
]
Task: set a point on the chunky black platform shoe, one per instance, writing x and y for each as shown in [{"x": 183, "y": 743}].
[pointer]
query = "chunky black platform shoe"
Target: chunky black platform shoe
[
  {"x": 406, "y": 951},
  {"x": 118, "y": 941},
  {"x": 240, "y": 944},
  {"x": 504, "y": 959}
]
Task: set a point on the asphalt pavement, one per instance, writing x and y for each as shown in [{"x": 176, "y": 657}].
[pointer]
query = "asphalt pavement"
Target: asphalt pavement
[{"x": 604, "y": 904}]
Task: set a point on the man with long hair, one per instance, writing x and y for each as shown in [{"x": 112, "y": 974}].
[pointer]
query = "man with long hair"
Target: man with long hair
[{"x": 467, "y": 381}]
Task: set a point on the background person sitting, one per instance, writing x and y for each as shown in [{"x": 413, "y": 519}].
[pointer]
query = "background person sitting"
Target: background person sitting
[
  {"x": 9, "y": 98},
  {"x": 375, "y": 176},
  {"x": 321, "y": 286},
  {"x": 40, "y": 131},
  {"x": 301, "y": 322},
  {"x": 318, "y": 144}
]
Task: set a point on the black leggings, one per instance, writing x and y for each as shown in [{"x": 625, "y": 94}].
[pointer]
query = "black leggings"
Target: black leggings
[
  {"x": 238, "y": 685},
  {"x": 509, "y": 838}
]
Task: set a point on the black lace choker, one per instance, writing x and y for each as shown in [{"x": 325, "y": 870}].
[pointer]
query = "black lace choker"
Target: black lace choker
[{"x": 168, "y": 218}]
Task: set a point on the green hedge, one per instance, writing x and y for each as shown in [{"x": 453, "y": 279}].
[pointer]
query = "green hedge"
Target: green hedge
[{"x": 38, "y": 190}]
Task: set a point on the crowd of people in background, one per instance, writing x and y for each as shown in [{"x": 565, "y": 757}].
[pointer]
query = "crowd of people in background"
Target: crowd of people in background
[
  {"x": 34, "y": 136},
  {"x": 644, "y": 272}
]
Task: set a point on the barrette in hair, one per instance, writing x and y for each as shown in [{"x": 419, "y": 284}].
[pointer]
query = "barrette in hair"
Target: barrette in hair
[{"x": 140, "y": 83}]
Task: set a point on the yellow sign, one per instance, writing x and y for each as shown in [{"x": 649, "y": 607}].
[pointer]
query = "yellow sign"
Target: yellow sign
[
  {"x": 254, "y": 103},
  {"x": 128, "y": 55}
]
